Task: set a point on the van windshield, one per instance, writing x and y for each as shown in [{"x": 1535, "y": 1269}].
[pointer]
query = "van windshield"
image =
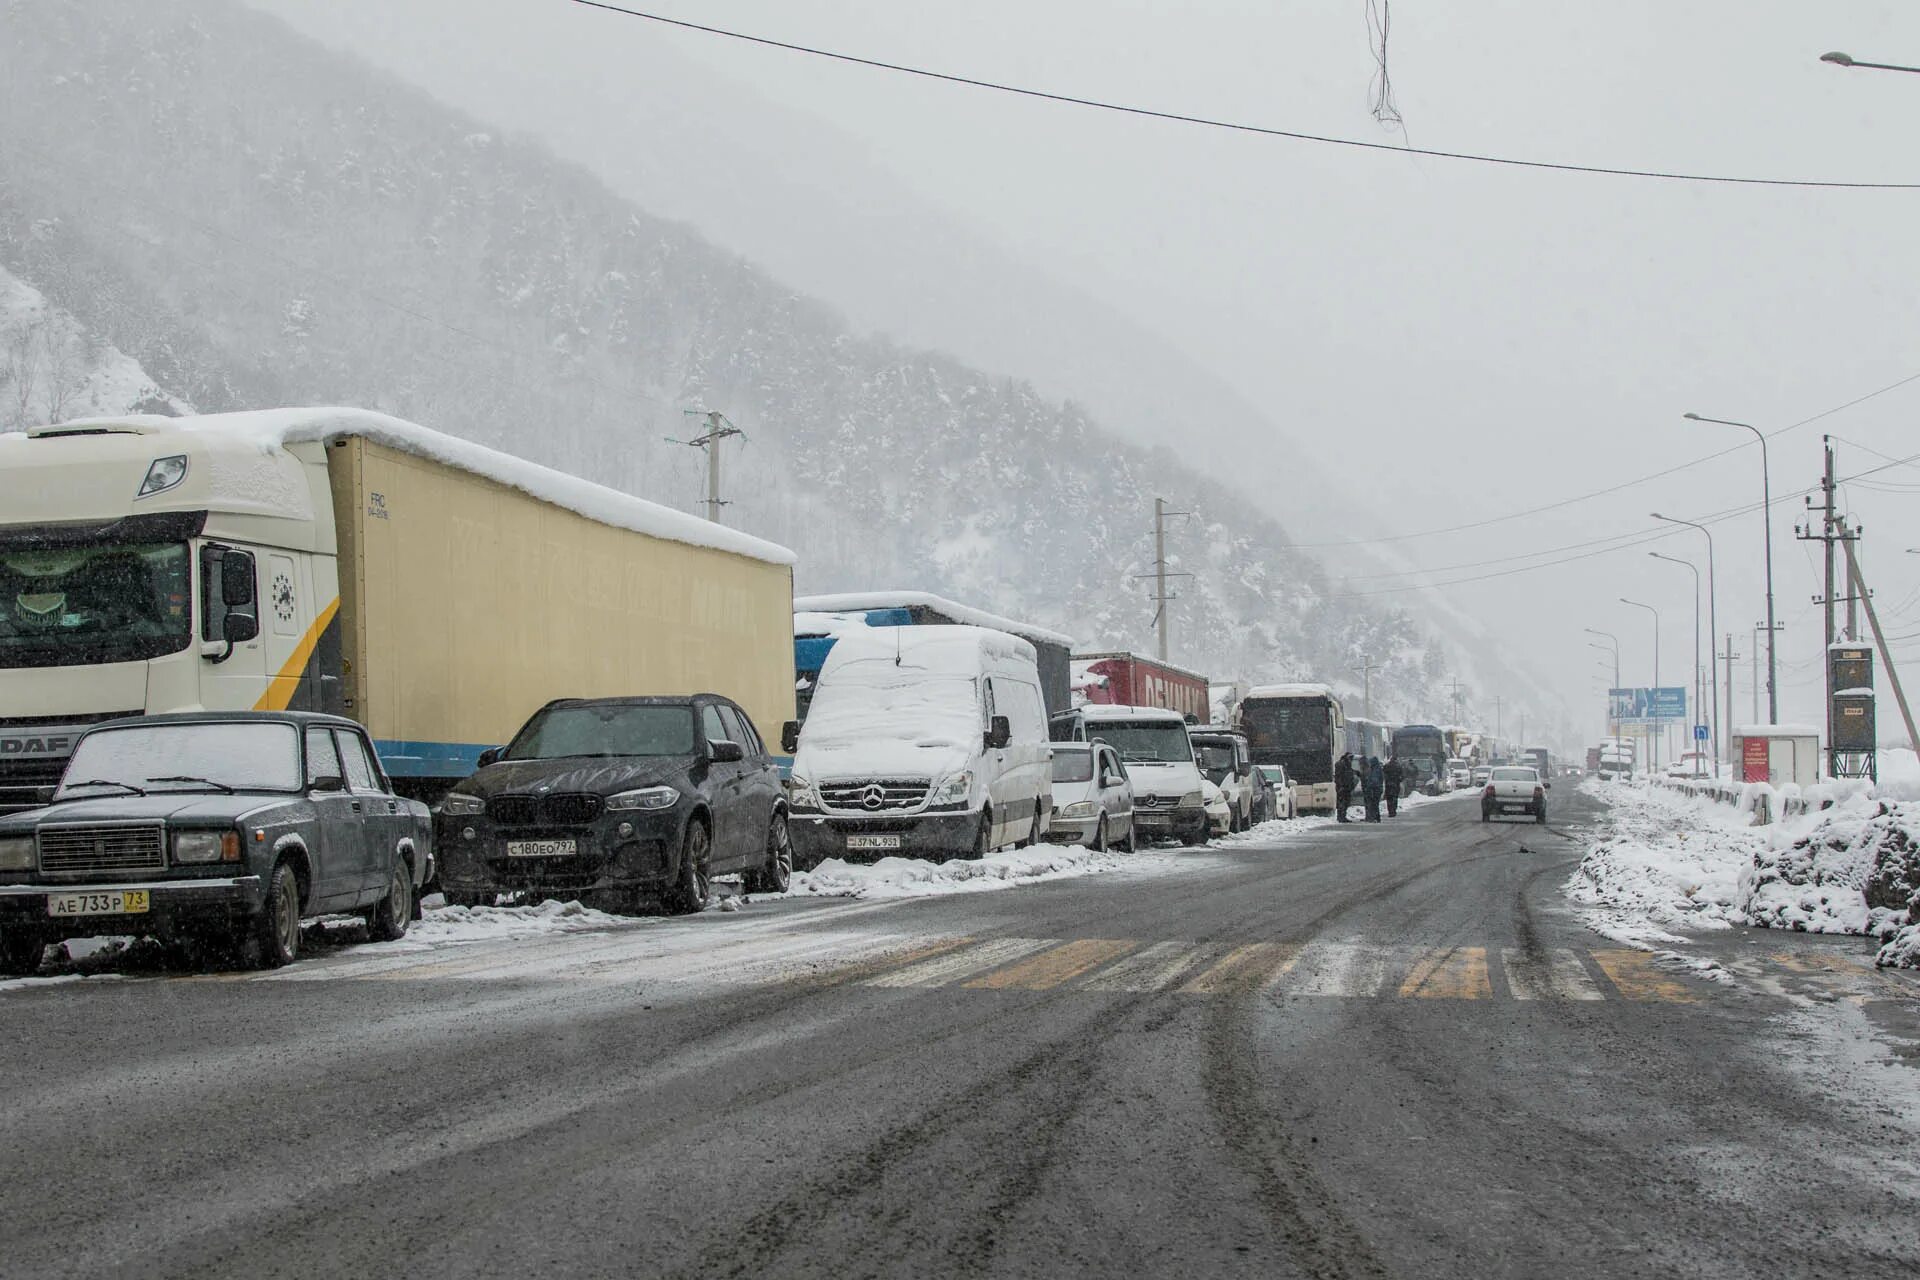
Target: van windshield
[
  {"x": 867, "y": 701},
  {"x": 1147, "y": 742}
]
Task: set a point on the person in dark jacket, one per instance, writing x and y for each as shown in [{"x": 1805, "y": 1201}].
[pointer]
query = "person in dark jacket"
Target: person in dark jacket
[
  {"x": 1372, "y": 783},
  {"x": 1396, "y": 780},
  {"x": 1343, "y": 780}
]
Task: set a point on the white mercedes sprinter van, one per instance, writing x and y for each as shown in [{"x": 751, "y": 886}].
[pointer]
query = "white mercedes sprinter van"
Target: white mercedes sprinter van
[
  {"x": 921, "y": 742},
  {"x": 1168, "y": 800}
]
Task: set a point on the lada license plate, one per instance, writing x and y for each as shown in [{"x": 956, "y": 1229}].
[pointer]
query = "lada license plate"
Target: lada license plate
[
  {"x": 111, "y": 902},
  {"x": 873, "y": 842},
  {"x": 539, "y": 848}
]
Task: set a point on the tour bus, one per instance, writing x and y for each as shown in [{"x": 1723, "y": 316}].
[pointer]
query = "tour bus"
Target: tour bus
[{"x": 1301, "y": 726}]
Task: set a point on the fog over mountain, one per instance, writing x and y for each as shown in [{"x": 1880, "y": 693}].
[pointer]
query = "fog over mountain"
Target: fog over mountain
[{"x": 288, "y": 225}]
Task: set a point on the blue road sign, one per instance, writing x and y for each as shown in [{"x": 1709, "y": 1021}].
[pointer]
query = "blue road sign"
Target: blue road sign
[{"x": 1699, "y": 733}]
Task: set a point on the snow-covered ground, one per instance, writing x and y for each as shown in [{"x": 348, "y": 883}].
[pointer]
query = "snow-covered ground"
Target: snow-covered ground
[{"x": 1662, "y": 861}]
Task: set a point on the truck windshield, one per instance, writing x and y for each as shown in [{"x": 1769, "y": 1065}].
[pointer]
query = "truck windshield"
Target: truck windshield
[
  {"x": 1146, "y": 742},
  {"x": 68, "y": 606},
  {"x": 258, "y": 755},
  {"x": 608, "y": 729}
]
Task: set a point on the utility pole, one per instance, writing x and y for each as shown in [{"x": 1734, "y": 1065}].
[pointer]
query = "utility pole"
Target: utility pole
[
  {"x": 1496, "y": 715},
  {"x": 1457, "y": 716},
  {"x": 1730, "y": 657},
  {"x": 1879, "y": 639},
  {"x": 1833, "y": 531},
  {"x": 1365, "y": 671},
  {"x": 1160, "y": 573},
  {"x": 718, "y": 429}
]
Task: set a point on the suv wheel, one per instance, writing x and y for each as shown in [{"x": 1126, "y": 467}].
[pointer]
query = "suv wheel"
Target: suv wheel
[
  {"x": 693, "y": 886},
  {"x": 777, "y": 872}
]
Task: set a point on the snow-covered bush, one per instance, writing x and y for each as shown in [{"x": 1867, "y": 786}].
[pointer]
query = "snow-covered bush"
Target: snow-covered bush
[{"x": 1851, "y": 871}]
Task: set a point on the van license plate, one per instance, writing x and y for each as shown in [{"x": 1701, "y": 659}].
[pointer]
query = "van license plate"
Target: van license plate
[
  {"x": 1152, "y": 819},
  {"x": 873, "y": 842},
  {"x": 113, "y": 902},
  {"x": 539, "y": 848}
]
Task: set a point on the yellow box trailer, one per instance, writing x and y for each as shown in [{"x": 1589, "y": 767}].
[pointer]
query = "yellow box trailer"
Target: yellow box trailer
[{"x": 434, "y": 589}]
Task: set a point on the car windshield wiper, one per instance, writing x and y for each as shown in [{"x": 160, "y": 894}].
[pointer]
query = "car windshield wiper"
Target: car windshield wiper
[
  {"x": 105, "y": 782},
  {"x": 221, "y": 787}
]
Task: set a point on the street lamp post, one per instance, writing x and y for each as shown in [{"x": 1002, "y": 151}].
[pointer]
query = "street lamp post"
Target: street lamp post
[
  {"x": 1615, "y": 642},
  {"x": 1766, "y": 523},
  {"x": 1839, "y": 59},
  {"x": 1691, "y": 568},
  {"x": 1713, "y": 629},
  {"x": 1655, "y": 735}
]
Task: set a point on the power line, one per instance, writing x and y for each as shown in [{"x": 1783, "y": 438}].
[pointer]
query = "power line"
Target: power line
[{"x": 1178, "y": 117}]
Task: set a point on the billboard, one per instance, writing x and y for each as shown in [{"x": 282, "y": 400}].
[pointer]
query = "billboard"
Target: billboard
[{"x": 1647, "y": 706}]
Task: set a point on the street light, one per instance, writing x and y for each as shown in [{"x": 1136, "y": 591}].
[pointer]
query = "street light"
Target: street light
[
  {"x": 1713, "y": 629},
  {"x": 1694, "y": 570},
  {"x": 1843, "y": 60},
  {"x": 1655, "y": 735},
  {"x": 1766, "y": 523}
]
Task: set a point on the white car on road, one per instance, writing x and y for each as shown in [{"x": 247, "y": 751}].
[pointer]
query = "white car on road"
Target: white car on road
[{"x": 1515, "y": 788}]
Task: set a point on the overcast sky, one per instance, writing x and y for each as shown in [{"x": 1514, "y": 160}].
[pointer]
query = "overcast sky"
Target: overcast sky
[{"x": 1461, "y": 340}]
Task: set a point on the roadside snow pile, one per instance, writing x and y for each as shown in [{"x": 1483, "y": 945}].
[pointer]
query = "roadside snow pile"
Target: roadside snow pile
[
  {"x": 1276, "y": 829},
  {"x": 442, "y": 926},
  {"x": 1663, "y": 861},
  {"x": 918, "y": 878},
  {"x": 1849, "y": 869}
]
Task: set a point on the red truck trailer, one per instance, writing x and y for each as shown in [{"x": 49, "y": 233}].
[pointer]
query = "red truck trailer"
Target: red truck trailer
[{"x": 1127, "y": 679}]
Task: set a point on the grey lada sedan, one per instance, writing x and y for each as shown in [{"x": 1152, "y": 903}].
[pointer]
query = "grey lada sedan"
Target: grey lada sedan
[{"x": 212, "y": 826}]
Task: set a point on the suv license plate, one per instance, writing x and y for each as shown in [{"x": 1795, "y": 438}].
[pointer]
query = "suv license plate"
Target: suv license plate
[
  {"x": 113, "y": 902},
  {"x": 873, "y": 842},
  {"x": 539, "y": 848}
]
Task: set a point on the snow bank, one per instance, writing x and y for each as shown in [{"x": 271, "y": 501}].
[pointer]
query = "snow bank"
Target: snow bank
[
  {"x": 271, "y": 429},
  {"x": 443, "y": 926},
  {"x": 1663, "y": 861},
  {"x": 918, "y": 878},
  {"x": 1848, "y": 869}
]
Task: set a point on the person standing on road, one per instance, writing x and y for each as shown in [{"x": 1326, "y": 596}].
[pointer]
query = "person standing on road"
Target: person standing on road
[
  {"x": 1372, "y": 783},
  {"x": 1343, "y": 780},
  {"x": 1396, "y": 778}
]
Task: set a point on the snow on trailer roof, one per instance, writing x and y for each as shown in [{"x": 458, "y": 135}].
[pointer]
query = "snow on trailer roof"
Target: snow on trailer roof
[
  {"x": 1109, "y": 711},
  {"x": 861, "y": 601},
  {"x": 270, "y": 429},
  {"x": 1301, "y": 690},
  {"x": 1080, "y": 660}
]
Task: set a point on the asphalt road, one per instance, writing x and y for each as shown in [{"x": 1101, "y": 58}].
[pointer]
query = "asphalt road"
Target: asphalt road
[{"x": 1363, "y": 1051}]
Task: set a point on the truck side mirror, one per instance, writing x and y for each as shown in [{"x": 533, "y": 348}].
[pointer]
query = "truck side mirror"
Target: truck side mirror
[
  {"x": 999, "y": 733},
  {"x": 790, "y": 736},
  {"x": 236, "y": 578},
  {"x": 490, "y": 756},
  {"x": 239, "y": 626}
]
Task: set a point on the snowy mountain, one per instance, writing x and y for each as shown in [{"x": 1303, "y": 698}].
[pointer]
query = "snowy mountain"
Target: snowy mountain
[
  {"x": 53, "y": 368},
  {"x": 256, "y": 220}
]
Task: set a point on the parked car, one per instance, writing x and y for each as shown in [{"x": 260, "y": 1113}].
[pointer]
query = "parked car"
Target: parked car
[
  {"x": 633, "y": 802},
  {"x": 1092, "y": 797},
  {"x": 1223, "y": 760},
  {"x": 1265, "y": 803},
  {"x": 1691, "y": 764},
  {"x": 212, "y": 825},
  {"x": 1152, "y": 742},
  {"x": 1283, "y": 793},
  {"x": 1459, "y": 774},
  {"x": 1515, "y": 789},
  {"x": 1220, "y": 819},
  {"x": 1481, "y": 772},
  {"x": 927, "y": 741}
]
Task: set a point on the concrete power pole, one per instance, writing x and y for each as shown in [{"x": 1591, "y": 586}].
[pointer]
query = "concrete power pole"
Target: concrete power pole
[
  {"x": 1160, "y": 573},
  {"x": 1730, "y": 657},
  {"x": 718, "y": 429},
  {"x": 1365, "y": 671}
]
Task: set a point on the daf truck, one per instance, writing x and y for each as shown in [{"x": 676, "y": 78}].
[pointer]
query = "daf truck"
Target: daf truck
[{"x": 343, "y": 561}]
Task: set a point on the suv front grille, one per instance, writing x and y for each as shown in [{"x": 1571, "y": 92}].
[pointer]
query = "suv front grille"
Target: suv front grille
[
  {"x": 568, "y": 809},
  {"x": 874, "y": 795},
  {"x": 120, "y": 847}
]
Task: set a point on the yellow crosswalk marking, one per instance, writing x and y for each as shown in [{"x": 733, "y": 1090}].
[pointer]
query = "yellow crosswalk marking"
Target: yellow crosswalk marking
[
  {"x": 962, "y": 963},
  {"x": 1051, "y": 968},
  {"x": 1634, "y": 974},
  {"x": 1560, "y": 977},
  {"x": 1458, "y": 973},
  {"x": 1245, "y": 969},
  {"x": 1154, "y": 969},
  {"x": 1338, "y": 969}
]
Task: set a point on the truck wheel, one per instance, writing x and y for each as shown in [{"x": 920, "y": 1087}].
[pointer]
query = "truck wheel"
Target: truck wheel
[
  {"x": 693, "y": 887},
  {"x": 777, "y": 873},
  {"x": 20, "y": 953},
  {"x": 387, "y": 919},
  {"x": 983, "y": 839},
  {"x": 275, "y": 933}
]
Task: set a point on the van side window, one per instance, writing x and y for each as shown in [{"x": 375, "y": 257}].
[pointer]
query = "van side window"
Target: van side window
[{"x": 991, "y": 712}]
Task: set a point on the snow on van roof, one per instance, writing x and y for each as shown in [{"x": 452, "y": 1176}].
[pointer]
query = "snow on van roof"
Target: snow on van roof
[
  {"x": 939, "y": 648},
  {"x": 861, "y": 601},
  {"x": 270, "y": 429},
  {"x": 1301, "y": 690},
  {"x": 1109, "y": 711}
]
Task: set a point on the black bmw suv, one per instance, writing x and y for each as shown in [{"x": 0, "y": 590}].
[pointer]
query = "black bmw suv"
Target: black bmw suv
[{"x": 631, "y": 802}]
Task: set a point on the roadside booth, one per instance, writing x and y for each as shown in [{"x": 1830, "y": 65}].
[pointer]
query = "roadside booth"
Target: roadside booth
[{"x": 1777, "y": 754}]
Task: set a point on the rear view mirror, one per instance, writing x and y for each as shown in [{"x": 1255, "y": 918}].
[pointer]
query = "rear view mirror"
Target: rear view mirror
[
  {"x": 999, "y": 733},
  {"x": 790, "y": 736},
  {"x": 236, "y": 578},
  {"x": 238, "y": 627},
  {"x": 724, "y": 752},
  {"x": 490, "y": 756}
]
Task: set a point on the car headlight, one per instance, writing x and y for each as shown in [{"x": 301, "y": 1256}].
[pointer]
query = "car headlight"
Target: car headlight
[
  {"x": 801, "y": 796},
  {"x": 457, "y": 804},
  {"x": 644, "y": 798},
  {"x": 1079, "y": 809},
  {"x": 1193, "y": 800},
  {"x": 16, "y": 853},
  {"x": 952, "y": 792},
  {"x": 206, "y": 846}
]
